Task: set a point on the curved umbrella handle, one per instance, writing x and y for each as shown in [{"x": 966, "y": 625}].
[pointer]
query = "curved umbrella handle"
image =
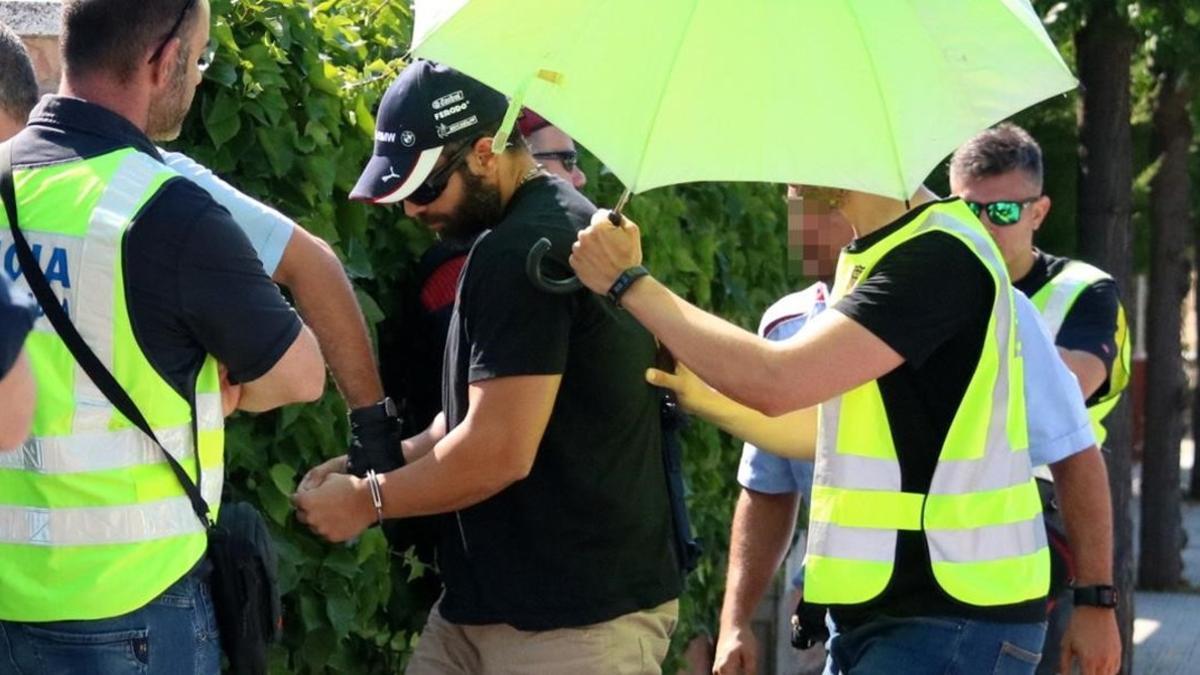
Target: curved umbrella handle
[
  {"x": 533, "y": 269},
  {"x": 533, "y": 262}
]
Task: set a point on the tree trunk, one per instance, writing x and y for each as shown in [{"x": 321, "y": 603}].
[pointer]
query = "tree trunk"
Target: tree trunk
[
  {"x": 1161, "y": 565},
  {"x": 1194, "y": 490},
  {"x": 1104, "y": 48}
]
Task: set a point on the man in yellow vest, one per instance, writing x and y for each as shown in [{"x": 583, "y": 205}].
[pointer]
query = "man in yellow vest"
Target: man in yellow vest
[
  {"x": 294, "y": 258},
  {"x": 926, "y": 538},
  {"x": 102, "y": 564},
  {"x": 999, "y": 173}
]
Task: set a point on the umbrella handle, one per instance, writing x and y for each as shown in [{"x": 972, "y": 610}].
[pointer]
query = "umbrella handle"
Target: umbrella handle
[
  {"x": 533, "y": 262},
  {"x": 533, "y": 270}
]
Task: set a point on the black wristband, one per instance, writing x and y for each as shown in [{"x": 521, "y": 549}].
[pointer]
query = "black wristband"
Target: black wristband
[
  {"x": 376, "y": 435},
  {"x": 1096, "y": 596},
  {"x": 624, "y": 282}
]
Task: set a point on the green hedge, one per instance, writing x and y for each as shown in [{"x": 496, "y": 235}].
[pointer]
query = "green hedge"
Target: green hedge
[{"x": 286, "y": 115}]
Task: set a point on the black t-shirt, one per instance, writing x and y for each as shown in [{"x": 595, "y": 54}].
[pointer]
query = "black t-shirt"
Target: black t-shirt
[
  {"x": 929, "y": 299},
  {"x": 193, "y": 282},
  {"x": 1091, "y": 325},
  {"x": 586, "y": 537}
]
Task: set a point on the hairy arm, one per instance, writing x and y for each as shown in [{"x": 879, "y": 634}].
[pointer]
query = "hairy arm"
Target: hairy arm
[
  {"x": 492, "y": 448},
  {"x": 325, "y": 299}
]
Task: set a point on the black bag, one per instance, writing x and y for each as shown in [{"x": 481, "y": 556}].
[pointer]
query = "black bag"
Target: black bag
[
  {"x": 688, "y": 549},
  {"x": 1062, "y": 562},
  {"x": 245, "y": 596}
]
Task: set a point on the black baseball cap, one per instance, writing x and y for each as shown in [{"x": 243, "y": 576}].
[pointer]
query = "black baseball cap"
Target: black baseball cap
[{"x": 428, "y": 106}]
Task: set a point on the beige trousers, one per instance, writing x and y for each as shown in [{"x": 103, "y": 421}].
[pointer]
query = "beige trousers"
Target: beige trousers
[{"x": 633, "y": 644}]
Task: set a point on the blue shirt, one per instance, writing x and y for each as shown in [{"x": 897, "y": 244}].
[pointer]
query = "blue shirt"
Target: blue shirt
[
  {"x": 1058, "y": 422},
  {"x": 267, "y": 229}
]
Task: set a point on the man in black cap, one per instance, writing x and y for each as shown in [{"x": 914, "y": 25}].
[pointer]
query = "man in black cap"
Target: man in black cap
[{"x": 559, "y": 553}]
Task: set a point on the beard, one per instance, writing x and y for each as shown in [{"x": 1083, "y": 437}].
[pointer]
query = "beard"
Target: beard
[
  {"x": 168, "y": 111},
  {"x": 480, "y": 209}
]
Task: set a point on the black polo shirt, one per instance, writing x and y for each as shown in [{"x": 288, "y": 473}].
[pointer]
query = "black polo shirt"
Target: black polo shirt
[
  {"x": 587, "y": 536},
  {"x": 929, "y": 299},
  {"x": 193, "y": 283}
]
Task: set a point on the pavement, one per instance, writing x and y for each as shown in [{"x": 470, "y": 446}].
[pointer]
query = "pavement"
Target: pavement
[{"x": 1166, "y": 631}]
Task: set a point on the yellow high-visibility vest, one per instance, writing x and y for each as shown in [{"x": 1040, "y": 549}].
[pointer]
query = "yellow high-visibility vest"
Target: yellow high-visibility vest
[
  {"x": 93, "y": 523},
  {"x": 1055, "y": 300},
  {"x": 981, "y": 517}
]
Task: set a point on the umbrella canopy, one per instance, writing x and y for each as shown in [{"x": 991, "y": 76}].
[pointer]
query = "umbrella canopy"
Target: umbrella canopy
[{"x": 867, "y": 95}]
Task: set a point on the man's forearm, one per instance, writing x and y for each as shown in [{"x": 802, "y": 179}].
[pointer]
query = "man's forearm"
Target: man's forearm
[
  {"x": 762, "y": 529},
  {"x": 793, "y": 435},
  {"x": 1081, "y": 483},
  {"x": 326, "y": 301},
  {"x": 452, "y": 476},
  {"x": 418, "y": 446}
]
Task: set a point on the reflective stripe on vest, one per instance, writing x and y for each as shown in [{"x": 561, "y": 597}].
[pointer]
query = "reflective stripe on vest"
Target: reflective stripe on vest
[
  {"x": 122, "y": 449},
  {"x": 93, "y": 522},
  {"x": 982, "y": 517},
  {"x": 1054, "y": 301}
]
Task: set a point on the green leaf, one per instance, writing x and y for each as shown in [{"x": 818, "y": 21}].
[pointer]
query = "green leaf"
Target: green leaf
[
  {"x": 222, "y": 118},
  {"x": 340, "y": 609},
  {"x": 310, "y": 613},
  {"x": 284, "y": 478},
  {"x": 274, "y": 503},
  {"x": 316, "y": 647},
  {"x": 278, "y": 149},
  {"x": 358, "y": 261},
  {"x": 223, "y": 72},
  {"x": 343, "y": 562},
  {"x": 371, "y": 311}
]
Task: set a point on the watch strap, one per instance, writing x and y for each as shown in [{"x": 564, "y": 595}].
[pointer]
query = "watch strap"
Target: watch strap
[
  {"x": 1096, "y": 596},
  {"x": 378, "y": 412},
  {"x": 624, "y": 282}
]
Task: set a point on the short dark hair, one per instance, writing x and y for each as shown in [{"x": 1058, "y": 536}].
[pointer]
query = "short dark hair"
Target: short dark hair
[
  {"x": 1003, "y": 148},
  {"x": 18, "y": 84},
  {"x": 112, "y": 36}
]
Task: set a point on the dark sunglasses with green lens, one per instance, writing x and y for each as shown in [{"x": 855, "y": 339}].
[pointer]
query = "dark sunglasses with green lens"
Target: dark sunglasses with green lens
[{"x": 1002, "y": 213}]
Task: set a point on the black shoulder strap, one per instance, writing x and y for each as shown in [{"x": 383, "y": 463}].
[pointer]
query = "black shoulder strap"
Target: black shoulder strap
[{"x": 87, "y": 359}]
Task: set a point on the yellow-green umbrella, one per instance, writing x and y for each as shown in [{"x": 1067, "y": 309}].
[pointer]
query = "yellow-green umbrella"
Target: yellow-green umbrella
[{"x": 867, "y": 95}]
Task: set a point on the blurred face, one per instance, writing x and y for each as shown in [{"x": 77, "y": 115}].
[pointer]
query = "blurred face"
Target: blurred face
[
  {"x": 469, "y": 205},
  {"x": 556, "y": 151},
  {"x": 170, "y": 104},
  {"x": 1009, "y": 194},
  {"x": 817, "y": 230}
]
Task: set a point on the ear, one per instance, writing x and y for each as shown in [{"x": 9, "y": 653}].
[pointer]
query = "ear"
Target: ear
[
  {"x": 1041, "y": 208},
  {"x": 163, "y": 67},
  {"x": 482, "y": 160}
]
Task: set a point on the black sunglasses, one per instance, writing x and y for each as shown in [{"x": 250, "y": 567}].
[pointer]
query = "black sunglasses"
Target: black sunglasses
[
  {"x": 433, "y": 187},
  {"x": 187, "y": 6},
  {"x": 1002, "y": 213},
  {"x": 569, "y": 158}
]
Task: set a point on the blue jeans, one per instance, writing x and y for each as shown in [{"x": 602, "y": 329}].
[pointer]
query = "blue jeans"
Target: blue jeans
[
  {"x": 941, "y": 645},
  {"x": 175, "y": 633}
]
